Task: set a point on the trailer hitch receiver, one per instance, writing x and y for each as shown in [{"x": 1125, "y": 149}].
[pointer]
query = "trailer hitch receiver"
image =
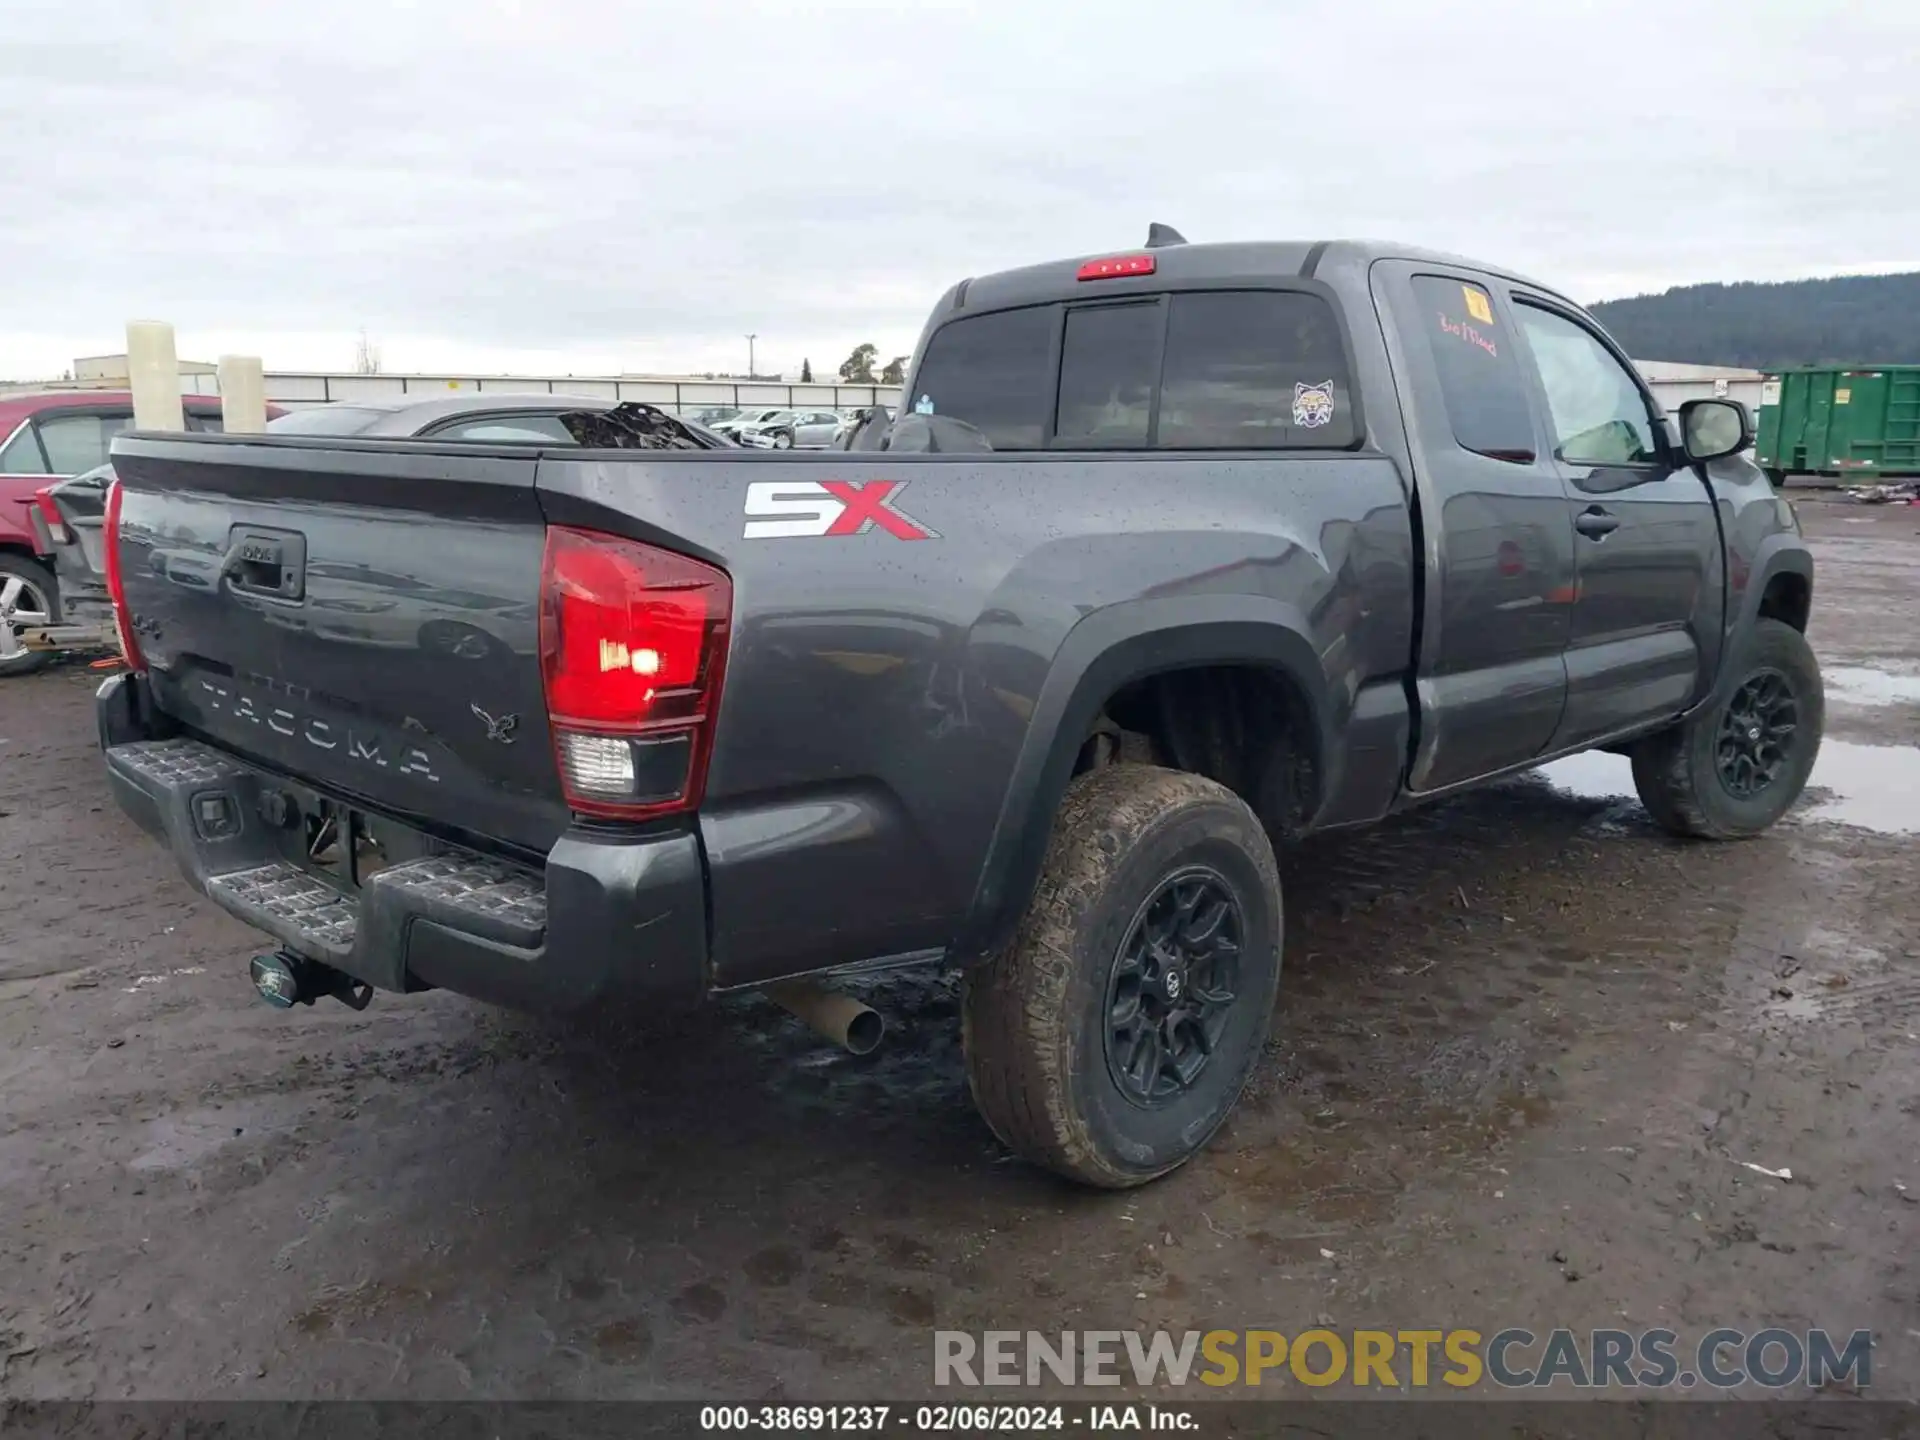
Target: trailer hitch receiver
[{"x": 284, "y": 980}]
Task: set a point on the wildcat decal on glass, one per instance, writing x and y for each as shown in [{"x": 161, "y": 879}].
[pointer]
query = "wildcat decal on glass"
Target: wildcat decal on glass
[{"x": 1312, "y": 404}]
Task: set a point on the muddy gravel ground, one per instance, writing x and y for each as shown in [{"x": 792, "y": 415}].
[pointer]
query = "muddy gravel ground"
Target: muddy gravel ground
[{"x": 1527, "y": 1046}]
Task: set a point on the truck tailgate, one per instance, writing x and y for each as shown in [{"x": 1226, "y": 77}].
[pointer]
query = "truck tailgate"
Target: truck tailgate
[{"x": 365, "y": 619}]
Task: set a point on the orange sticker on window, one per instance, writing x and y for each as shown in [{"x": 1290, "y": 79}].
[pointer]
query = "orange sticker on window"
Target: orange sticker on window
[{"x": 1477, "y": 305}]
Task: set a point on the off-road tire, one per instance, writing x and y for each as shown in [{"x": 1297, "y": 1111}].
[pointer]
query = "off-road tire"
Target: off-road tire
[
  {"x": 1676, "y": 772},
  {"x": 41, "y": 579},
  {"x": 1035, "y": 1018}
]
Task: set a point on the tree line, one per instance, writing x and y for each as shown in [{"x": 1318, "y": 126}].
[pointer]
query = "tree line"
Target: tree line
[
  {"x": 857, "y": 368},
  {"x": 1846, "y": 320}
]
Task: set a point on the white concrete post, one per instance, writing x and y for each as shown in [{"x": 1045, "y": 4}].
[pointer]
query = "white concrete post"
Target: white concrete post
[
  {"x": 243, "y": 395},
  {"x": 153, "y": 374}
]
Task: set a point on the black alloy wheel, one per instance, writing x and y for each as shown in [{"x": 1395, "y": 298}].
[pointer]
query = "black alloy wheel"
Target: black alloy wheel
[
  {"x": 1758, "y": 732},
  {"x": 1173, "y": 986}
]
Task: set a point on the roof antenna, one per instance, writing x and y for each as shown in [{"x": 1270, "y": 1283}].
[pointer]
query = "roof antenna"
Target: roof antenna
[{"x": 1158, "y": 235}]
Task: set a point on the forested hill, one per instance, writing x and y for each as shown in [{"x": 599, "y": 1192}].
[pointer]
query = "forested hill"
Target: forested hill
[{"x": 1851, "y": 319}]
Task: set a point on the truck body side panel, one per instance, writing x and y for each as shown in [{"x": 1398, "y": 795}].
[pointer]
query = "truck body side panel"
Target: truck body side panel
[{"x": 882, "y": 692}]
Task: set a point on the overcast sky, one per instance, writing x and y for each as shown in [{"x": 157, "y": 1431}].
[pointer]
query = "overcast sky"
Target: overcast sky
[{"x": 581, "y": 187}]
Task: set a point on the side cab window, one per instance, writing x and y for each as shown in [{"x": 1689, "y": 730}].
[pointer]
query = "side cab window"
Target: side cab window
[{"x": 1599, "y": 410}]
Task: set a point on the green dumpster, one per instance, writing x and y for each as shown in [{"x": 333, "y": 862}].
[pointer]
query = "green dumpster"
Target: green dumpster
[{"x": 1857, "y": 424}]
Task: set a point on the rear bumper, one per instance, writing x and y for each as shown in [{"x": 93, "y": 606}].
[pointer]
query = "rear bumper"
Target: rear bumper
[{"x": 602, "y": 920}]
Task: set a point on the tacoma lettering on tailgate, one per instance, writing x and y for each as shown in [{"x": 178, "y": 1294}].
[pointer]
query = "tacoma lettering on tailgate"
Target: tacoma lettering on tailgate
[{"x": 321, "y": 734}]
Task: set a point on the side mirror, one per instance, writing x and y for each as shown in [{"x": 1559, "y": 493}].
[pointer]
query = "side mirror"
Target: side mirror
[{"x": 1714, "y": 429}]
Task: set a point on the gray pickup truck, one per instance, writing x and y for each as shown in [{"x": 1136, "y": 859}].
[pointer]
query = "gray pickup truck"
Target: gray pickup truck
[{"x": 1199, "y": 549}]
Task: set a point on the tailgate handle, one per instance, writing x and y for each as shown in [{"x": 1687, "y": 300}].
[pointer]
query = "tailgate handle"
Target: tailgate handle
[{"x": 266, "y": 562}]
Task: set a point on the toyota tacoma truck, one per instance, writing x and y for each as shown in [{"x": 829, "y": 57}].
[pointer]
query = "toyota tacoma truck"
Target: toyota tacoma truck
[{"x": 1174, "y": 555}]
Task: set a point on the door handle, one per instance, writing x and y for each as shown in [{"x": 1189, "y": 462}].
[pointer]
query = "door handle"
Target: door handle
[{"x": 1595, "y": 523}]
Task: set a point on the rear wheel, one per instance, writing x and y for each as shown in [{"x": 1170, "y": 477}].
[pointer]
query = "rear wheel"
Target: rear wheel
[
  {"x": 1734, "y": 768},
  {"x": 28, "y": 597},
  {"x": 1113, "y": 1036}
]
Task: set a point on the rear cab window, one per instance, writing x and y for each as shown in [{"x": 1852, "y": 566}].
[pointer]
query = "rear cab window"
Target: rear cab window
[
  {"x": 1254, "y": 370},
  {"x": 994, "y": 372},
  {"x": 1214, "y": 369},
  {"x": 1107, "y": 361}
]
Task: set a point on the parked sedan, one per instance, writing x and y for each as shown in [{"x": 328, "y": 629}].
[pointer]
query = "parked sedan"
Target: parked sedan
[
  {"x": 743, "y": 420},
  {"x": 493, "y": 418},
  {"x": 45, "y": 436},
  {"x": 795, "y": 430}
]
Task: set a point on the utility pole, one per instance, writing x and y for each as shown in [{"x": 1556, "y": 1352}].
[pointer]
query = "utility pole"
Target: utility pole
[{"x": 750, "y": 340}]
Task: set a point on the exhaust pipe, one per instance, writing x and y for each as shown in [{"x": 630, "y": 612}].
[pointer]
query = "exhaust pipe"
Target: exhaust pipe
[
  {"x": 854, "y": 1027},
  {"x": 284, "y": 979}
]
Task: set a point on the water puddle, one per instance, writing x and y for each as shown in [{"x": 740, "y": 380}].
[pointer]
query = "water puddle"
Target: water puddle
[
  {"x": 1872, "y": 787},
  {"x": 1798, "y": 1005},
  {"x": 1593, "y": 775},
  {"x": 1857, "y": 685},
  {"x": 1876, "y": 787}
]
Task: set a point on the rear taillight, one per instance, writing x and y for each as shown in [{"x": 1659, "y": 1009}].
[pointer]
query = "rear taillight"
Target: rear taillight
[
  {"x": 122, "y": 617},
  {"x": 50, "y": 512},
  {"x": 633, "y": 642}
]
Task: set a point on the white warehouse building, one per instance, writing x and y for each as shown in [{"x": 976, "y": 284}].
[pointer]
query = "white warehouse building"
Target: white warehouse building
[{"x": 1673, "y": 383}]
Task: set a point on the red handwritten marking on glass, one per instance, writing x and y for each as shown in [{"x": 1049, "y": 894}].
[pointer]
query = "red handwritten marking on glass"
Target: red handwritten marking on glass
[{"x": 1469, "y": 334}]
